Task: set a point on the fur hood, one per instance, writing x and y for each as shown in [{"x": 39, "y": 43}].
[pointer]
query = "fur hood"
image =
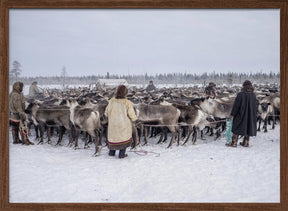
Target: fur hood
[
  {"x": 247, "y": 86},
  {"x": 18, "y": 87}
]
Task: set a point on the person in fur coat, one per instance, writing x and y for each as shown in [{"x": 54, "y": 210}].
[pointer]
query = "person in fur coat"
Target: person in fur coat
[
  {"x": 121, "y": 114},
  {"x": 17, "y": 114},
  {"x": 244, "y": 115}
]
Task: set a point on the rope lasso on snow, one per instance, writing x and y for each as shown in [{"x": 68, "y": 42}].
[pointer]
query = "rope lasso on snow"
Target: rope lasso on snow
[{"x": 144, "y": 152}]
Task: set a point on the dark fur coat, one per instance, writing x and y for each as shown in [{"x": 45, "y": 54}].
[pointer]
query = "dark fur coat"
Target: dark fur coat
[{"x": 244, "y": 112}]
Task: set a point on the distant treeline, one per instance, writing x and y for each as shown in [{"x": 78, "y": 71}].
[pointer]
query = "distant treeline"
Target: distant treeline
[{"x": 170, "y": 78}]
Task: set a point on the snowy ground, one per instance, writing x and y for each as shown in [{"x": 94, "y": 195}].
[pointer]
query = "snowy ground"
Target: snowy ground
[{"x": 206, "y": 172}]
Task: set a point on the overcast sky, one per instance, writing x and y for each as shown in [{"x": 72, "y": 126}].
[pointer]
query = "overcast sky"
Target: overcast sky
[{"x": 118, "y": 41}]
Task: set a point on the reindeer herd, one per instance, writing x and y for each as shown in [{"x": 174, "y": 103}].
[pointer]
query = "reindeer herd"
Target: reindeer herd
[{"x": 179, "y": 112}]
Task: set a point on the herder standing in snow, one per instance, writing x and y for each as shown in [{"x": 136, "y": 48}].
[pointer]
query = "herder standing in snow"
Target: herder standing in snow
[
  {"x": 34, "y": 90},
  {"x": 210, "y": 90},
  {"x": 150, "y": 87},
  {"x": 244, "y": 113},
  {"x": 17, "y": 116},
  {"x": 120, "y": 113}
]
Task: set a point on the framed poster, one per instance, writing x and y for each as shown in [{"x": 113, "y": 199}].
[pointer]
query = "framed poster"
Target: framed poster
[{"x": 153, "y": 39}]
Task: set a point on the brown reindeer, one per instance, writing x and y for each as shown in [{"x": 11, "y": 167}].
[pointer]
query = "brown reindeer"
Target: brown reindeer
[
  {"x": 86, "y": 119},
  {"x": 194, "y": 117},
  {"x": 218, "y": 108},
  {"x": 265, "y": 109},
  {"x": 159, "y": 115},
  {"x": 51, "y": 116}
]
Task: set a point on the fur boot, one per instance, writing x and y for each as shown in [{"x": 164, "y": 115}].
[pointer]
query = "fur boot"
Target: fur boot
[
  {"x": 112, "y": 152},
  {"x": 15, "y": 135},
  {"x": 234, "y": 141},
  {"x": 122, "y": 153},
  {"x": 245, "y": 142}
]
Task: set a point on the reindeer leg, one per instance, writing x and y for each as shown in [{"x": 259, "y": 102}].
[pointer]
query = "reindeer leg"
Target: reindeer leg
[
  {"x": 265, "y": 125},
  {"x": 146, "y": 136},
  {"x": 207, "y": 129},
  {"x": 218, "y": 134},
  {"x": 184, "y": 131},
  {"x": 37, "y": 132},
  {"x": 102, "y": 132},
  {"x": 172, "y": 130},
  {"x": 189, "y": 134},
  {"x": 223, "y": 126},
  {"x": 155, "y": 131},
  {"x": 211, "y": 132},
  {"x": 141, "y": 133},
  {"x": 135, "y": 141},
  {"x": 52, "y": 131},
  {"x": 89, "y": 137},
  {"x": 84, "y": 137},
  {"x": 195, "y": 133},
  {"x": 41, "y": 128},
  {"x": 172, "y": 139},
  {"x": 100, "y": 136},
  {"x": 95, "y": 135},
  {"x": 71, "y": 133},
  {"x": 165, "y": 134},
  {"x": 259, "y": 125},
  {"x": 151, "y": 130},
  {"x": 161, "y": 137},
  {"x": 29, "y": 128},
  {"x": 49, "y": 134},
  {"x": 74, "y": 138},
  {"x": 86, "y": 146},
  {"x": 179, "y": 130},
  {"x": 97, "y": 147},
  {"x": 61, "y": 131},
  {"x": 264, "y": 120},
  {"x": 273, "y": 121},
  {"x": 60, "y": 137},
  {"x": 202, "y": 135}
]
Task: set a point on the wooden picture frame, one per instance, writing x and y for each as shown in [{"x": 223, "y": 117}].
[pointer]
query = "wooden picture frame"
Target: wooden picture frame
[{"x": 134, "y": 4}]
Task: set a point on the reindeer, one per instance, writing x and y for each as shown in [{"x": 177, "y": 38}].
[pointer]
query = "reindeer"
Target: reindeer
[
  {"x": 159, "y": 115},
  {"x": 194, "y": 117},
  {"x": 218, "y": 108},
  {"x": 265, "y": 108},
  {"x": 87, "y": 119},
  {"x": 52, "y": 116}
]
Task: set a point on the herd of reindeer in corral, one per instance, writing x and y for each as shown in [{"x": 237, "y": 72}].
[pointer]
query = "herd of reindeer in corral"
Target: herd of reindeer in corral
[{"x": 181, "y": 112}]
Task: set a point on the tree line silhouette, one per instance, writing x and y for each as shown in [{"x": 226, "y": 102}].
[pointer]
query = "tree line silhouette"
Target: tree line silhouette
[{"x": 169, "y": 78}]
